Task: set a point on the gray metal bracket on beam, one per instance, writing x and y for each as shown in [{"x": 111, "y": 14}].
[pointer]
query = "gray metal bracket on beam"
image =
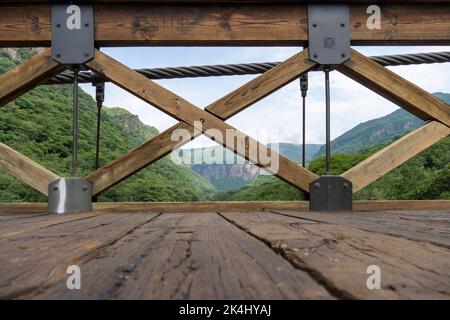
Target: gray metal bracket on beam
[
  {"x": 72, "y": 33},
  {"x": 329, "y": 33}
]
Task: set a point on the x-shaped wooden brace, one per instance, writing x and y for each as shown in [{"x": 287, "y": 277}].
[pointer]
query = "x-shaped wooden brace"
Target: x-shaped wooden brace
[
  {"x": 188, "y": 114},
  {"x": 360, "y": 68}
]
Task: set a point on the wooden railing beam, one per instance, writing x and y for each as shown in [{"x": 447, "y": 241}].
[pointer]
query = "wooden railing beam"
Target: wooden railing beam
[{"x": 275, "y": 24}]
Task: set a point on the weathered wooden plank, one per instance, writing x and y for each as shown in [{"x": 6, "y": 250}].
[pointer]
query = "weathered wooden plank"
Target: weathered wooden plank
[
  {"x": 195, "y": 256},
  {"x": 340, "y": 255},
  {"x": 233, "y": 24},
  {"x": 380, "y": 205},
  {"x": 27, "y": 75},
  {"x": 224, "y": 108},
  {"x": 40, "y": 257},
  {"x": 25, "y": 169},
  {"x": 201, "y": 206},
  {"x": 21, "y": 207},
  {"x": 211, "y": 126},
  {"x": 38, "y": 221},
  {"x": 20, "y": 216},
  {"x": 427, "y": 226},
  {"x": 395, "y": 88},
  {"x": 395, "y": 154},
  {"x": 231, "y": 206}
]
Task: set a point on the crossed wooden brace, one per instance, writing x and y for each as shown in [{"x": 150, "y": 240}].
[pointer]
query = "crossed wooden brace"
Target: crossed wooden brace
[{"x": 359, "y": 68}]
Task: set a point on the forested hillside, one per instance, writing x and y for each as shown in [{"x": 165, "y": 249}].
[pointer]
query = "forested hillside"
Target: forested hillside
[
  {"x": 39, "y": 125},
  {"x": 425, "y": 176},
  {"x": 231, "y": 173}
]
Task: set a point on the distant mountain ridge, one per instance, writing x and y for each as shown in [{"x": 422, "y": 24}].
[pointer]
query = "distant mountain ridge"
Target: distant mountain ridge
[
  {"x": 377, "y": 130},
  {"x": 425, "y": 176},
  {"x": 234, "y": 172}
]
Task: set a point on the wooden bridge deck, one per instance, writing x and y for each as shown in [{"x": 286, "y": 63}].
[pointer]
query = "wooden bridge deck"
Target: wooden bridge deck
[{"x": 258, "y": 255}]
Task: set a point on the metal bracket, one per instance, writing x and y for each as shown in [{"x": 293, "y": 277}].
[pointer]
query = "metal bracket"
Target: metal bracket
[
  {"x": 69, "y": 195},
  {"x": 330, "y": 193},
  {"x": 329, "y": 33},
  {"x": 72, "y": 33}
]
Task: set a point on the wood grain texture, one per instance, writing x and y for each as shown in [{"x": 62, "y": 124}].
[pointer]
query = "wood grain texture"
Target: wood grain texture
[
  {"x": 27, "y": 75},
  {"x": 25, "y": 169},
  {"x": 339, "y": 255},
  {"x": 395, "y": 88},
  {"x": 395, "y": 154},
  {"x": 276, "y": 24},
  {"x": 231, "y": 104},
  {"x": 231, "y": 206},
  {"x": 170, "y": 256},
  {"x": 32, "y": 260},
  {"x": 426, "y": 226},
  {"x": 211, "y": 126},
  {"x": 258, "y": 255}
]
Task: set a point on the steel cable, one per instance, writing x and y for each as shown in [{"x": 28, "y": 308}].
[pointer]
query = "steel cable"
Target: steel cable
[{"x": 245, "y": 68}]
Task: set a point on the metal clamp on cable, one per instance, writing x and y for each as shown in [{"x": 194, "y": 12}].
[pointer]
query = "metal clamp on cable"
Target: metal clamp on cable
[{"x": 72, "y": 45}]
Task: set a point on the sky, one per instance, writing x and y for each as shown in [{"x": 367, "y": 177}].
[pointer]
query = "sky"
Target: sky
[{"x": 276, "y": 118}]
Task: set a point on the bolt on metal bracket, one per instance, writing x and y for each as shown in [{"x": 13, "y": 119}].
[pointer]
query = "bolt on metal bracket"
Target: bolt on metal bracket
[
  {"x": 72, "y": 33},
  {"x": 331, "y": 193},
  {"x": 329, "y": 33}
]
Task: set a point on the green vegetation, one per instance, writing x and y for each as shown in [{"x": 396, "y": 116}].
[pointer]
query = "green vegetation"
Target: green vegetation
[
  {"x": 39, "y": 123},
  {"x": 263, "y": 187},
  {"x": 425, "y": 176},
  {"x": 374, "y": 132}
]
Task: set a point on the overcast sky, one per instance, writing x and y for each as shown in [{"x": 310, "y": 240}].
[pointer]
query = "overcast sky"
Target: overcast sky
[{"x": 280, "y": 112}]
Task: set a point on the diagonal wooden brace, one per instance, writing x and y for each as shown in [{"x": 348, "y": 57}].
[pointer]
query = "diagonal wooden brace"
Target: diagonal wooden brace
[
  {"x": 182, "y": 110},
  {"x": 395, "y": 154},
  {"x": 26, "y": 76},
  {"x": 224, "y": 108},
  {"x": 25, "y": 169},
  {"x": 395, "y": 88}
]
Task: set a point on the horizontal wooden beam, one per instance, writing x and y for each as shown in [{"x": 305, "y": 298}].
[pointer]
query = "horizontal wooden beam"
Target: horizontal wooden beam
[
  {"x": 395, "y": 154},
  {"x": 276, "y": 24},
  {"x": 224, "y": 108},
  {"x": 233, "y": 206},
  {"x": 27, "y": 75},
  {"x": 212, "y": 126},
  {"x": 395, "y": 88},
  {"x": 25, "y": 169}
]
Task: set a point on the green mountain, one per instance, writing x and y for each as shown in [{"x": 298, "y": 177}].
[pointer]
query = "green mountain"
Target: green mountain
[
  {"x": 262, "y": 188},
  {"x": 373, "y": 132},
  {"x": 378, "y": 130},
  {"x": 293, "y": 151},
  {"x": 39, "y": 123},
  {"x": 231, "y": 171},
  {"x": 425, "y": 176}
]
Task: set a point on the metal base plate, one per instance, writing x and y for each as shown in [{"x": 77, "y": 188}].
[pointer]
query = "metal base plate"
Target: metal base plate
[
  {"x": 330, "y": 193},
  {"x": 69, "y": 195}
]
